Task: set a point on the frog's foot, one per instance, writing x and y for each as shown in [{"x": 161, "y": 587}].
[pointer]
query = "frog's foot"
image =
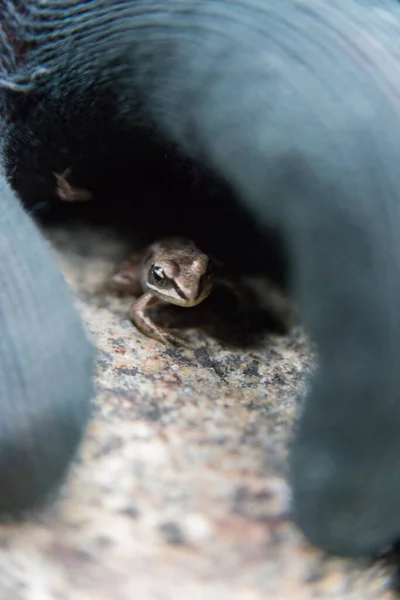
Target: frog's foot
[{"x": 147, "y": 326}]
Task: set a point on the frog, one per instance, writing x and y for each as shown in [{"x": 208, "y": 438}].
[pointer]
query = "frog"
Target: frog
[
  {"x": 67, "y": 192},
  {"x": 171, "y": 270}
]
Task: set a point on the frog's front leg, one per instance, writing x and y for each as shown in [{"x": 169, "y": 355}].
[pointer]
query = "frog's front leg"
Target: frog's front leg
[{"x": 146, "y": 325}]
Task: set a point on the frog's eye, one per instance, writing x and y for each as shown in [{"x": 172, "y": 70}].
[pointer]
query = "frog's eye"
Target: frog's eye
[{"x": 158, "y": 273}]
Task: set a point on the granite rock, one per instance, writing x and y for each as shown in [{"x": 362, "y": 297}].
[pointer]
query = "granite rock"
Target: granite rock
[{"x": 179, "y": 489}]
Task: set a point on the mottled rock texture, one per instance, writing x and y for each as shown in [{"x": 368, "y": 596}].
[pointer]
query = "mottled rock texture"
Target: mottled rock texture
[{"x": 179, "y": 491}]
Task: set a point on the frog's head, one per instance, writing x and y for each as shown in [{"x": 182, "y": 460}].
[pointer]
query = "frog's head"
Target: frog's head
[{"x": 185, "y": 280}]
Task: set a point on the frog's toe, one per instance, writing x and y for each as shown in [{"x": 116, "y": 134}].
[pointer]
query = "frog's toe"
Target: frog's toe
[{"x": 170, "y": 338}]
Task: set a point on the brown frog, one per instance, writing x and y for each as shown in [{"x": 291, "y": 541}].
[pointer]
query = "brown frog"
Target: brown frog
[{"x": 171, "y": 270}]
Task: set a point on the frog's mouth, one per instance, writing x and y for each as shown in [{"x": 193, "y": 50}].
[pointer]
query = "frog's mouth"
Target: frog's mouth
[
  {"x": 181, "y": 297},
  {"x": 203, "y": 291}
]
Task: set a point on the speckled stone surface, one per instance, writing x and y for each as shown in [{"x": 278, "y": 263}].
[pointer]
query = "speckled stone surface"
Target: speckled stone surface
[{"x": 179, "y": 490}]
